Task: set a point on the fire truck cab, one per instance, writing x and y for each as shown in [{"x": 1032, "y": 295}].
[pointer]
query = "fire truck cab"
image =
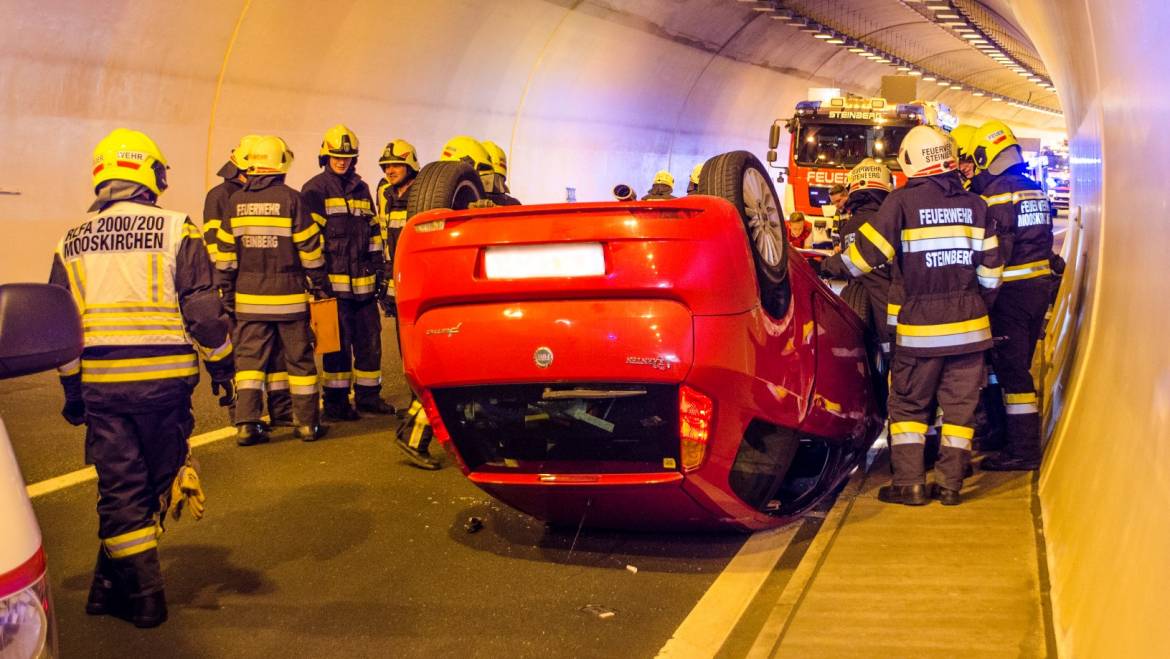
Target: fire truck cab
[{"x": 828, "y": 138}]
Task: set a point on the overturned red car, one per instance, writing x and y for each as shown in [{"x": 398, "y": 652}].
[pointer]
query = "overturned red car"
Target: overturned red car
[{"x": 648, "y": 365}]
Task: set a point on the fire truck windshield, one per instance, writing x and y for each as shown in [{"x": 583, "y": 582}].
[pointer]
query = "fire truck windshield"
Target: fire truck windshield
[{"x": 843, "y": 145}]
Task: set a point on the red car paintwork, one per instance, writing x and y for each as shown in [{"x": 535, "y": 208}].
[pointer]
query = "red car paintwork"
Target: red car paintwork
[{"x": 678, "y": 303}]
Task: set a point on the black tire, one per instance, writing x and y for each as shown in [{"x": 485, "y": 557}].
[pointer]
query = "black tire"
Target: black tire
[
  {"x": 855, "y": 295},
  {"x": 444, "y": 184},
  {"x": 741, "y": 179}
]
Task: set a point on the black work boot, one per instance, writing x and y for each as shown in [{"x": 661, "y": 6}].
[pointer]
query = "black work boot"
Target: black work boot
[
  {"x": 945, "y": 495},
  {"x": 419, "y": 457},
  {"x": 148, "y": 610},
  {"x": 340, "y": 410},
  {"x": 910, "y": 495},
  {"x": 307, "y": 433},
  {"x": 374, "y": 405},
  {"x": 105, "y": 599},
  {"x": 250, "y": 434},
  {"x": 1005, "y": 461}
]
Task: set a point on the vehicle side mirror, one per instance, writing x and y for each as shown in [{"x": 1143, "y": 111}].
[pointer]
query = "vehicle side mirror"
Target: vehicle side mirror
[
  {"x": 773, "y": 140},
  {"x": 40, "y": 328}
]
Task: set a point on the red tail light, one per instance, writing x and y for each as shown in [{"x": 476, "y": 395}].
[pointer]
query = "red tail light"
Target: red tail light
[{"x": 695, "y": 411}]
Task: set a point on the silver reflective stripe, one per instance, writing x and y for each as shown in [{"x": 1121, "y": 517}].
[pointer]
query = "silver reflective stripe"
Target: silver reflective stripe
[
  {"x": 955, "y": 442},
  {"x": 853, "y": 269},
  {"x": 93, "y": 367},
  {"x": 278, "y": 385},
  {"x": 337, "y": 384},
  {"x": 72, "y": 368},
  {"x": 367, "y": 382},
  {"x": 988, "y": 282},
  {"x": 314, "y": 263},
  {"x": 907, "y": 438},
  {"x": 1022, "y": 408},
  {"x": 1015, "y": 273},
  {"x": 364, "y": 288},
  {"x": 214, "y": 355},
  {"x": 262, "y": 231},
  {"x": 116, "y": 328},
  {"x": 170, "y": 310},
  {"x": 273, "y": 309},
  {"x": 946, "y": 341},
  {"x": 340, "y": 285},
  {"x": 249, "y": 384},
  {"x": 931, "y": 244},
  {"x": 303, "y": 389}
]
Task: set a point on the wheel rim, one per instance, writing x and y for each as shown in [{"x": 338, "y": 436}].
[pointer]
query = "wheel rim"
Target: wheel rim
[{"x": 759, "y": 203}]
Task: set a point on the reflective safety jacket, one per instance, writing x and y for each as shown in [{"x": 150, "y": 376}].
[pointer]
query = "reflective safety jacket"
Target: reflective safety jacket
[
  {"x": 947, "y": 264},
  {"x": 142, "y": 281},
  {"x": 861, "y": 208},
  {"x": 343, "y": 209},
  {"x": 267, "y": 247},
  {"x": 392, "y": 214},
  {"x": 1018, "y": 208},
  {"x": 215, "y": 210}
]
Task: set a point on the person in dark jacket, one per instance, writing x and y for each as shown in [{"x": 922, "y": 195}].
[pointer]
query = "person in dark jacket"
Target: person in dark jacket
[
  {"x": 215, "y": 209},
  {"x": 270, "y": 259},
  {"x": 339, "y": 202},
  {"x": 1020, "y": 210},
  {"x": 143, "y": 284},
  {"x": 948, "y": 266},
  {"x": 661, "y": 188},
  {"x": 499, "y": 192},
  {"x": 869, "y": 184}
]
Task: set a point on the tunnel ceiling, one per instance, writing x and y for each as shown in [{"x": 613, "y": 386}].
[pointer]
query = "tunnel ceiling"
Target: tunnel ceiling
[{"x": 758, "y": 32}]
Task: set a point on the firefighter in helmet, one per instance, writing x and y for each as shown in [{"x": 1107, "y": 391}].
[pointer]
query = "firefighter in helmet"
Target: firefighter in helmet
[
  {"x": 499, "y": 192},
  {"x": 661, "y": 188},
  {"x": 339, "y": 201},
  {"x": 400, "y": 167},
  {"x": 142, "y": 281}
]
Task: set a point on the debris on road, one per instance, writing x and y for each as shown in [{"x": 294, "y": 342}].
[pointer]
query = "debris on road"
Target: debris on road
[
  {"x": 598, "y": 611},
  {"x": 473, "y": 525}
]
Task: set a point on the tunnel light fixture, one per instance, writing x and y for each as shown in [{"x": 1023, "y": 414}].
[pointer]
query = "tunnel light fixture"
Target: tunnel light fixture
[
  {"x": 977, "y": 93},
  {"x": 929, "y": 78},
  {"x": 835, "y": 41},
  {"x": 822, "y": 35},
  {"x": 944, "y": 83},
  {"x": 947, "y": 14},
  {"x": 904, "y": 69},
  {"x": 915, "y": 72},
  {"x": 857, "y": 50},
  {"x": 956, "y": 86}
]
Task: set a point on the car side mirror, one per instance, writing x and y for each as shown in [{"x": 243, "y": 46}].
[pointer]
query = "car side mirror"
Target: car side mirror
[{"x": 40, "y": 328}]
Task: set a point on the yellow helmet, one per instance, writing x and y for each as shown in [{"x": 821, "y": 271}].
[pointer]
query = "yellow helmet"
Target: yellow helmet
[
  {"x": 695, "y": 172},
  {"x": 128, "y": 155},
  {"x": 399, "y": 152},
  {"x": 989, "y": 141},
  {"x": 240, "y": 153},
  {"x": 339, "y": 142},
  {"x": 663, "y": 177},
  {"x": 470, "y": 151},
  {"x": 269, "y": 155},
  {"x": 927, "y": 151},
  {"x": 870, "y": 174},
  {"x": 961, "y": 134},
  {"x": 498, "y": 157}
]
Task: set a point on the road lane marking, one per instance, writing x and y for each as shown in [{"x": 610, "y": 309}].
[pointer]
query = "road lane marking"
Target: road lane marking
[
  {"x": 709, "y": 624},
  {"x": 88, "y": 473}
]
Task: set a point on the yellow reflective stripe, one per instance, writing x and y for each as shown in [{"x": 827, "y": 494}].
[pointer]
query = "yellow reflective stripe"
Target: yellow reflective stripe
[
  {"x": 318, "y": 218},
  {"x": 855, "y": 262},
  {"x": 335, "y": 278},
  {"x": 212, "y": 249},
  {"x": 137, "y": 361},
  {"x": 905, "y": 427},
  {"x": 216, "y": 354},
  {"x": 949, "y": 231},
  {"x": 134, "y": 332},
  {"x": 75, "y": 271},
  {"x": 212, "y": 224},
  {"x": 984, "y": 271},
  {"x": 893, "y": 309},
  {"x": 1025, "y": 195},
  {"x": 90, "y": 320},
  {"x": 262, "y": 221},
  {"x": 134, "y": 542},
  {"x": 958, "y": 431},
  {"x": 1019, "y": 399},
  {"x": 943, "y": 329},
  {"x": 1029, "y": 270},
  {"x": 250, "y": 376},
  {"x": 280, "y": 376},
  {"x": 306, "y": 233},
  {"x": 310, "y": 256},
  {"x": 878, "y": 240},
  {"x": 250, "y": 298},
  {"x": 995, "y": 200},
  {"x": 302, "y": 380},
  {"x": 226, "y": 237},
  {"x": 364, "y": 281},
  {"x": 132, "y": 307},
  {"x": 990, "y": 243},
  {"x": 224, "y": 256}
]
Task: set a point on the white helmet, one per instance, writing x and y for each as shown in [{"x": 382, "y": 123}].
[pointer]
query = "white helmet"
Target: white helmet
[
  {"x": 870, "y": 174},
  {"x": 927, "y": 151}
]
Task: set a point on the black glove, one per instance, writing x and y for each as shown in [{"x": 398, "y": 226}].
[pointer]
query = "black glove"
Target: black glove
[
  {"x": 228, "y": 300},
  {"x": 389, "y": 306},
  {"x": 74, "y": 412},
  {"x": 223, "y": 385}
]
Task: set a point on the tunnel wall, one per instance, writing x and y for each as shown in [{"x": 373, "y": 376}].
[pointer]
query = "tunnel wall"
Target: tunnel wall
[{"x": 1105, "y": 483}]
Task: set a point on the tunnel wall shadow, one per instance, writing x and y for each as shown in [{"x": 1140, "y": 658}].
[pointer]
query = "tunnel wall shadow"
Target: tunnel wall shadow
[{"x": 1105, "y": 484}]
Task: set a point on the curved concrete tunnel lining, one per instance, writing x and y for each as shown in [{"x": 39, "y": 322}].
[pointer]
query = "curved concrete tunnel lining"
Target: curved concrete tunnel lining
[{"x": 582, "y": 104}]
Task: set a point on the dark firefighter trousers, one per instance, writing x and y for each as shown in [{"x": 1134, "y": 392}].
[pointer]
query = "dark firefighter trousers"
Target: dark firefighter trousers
[
  {"x": 137, "y": 457},
  {"x": 1018, "y": 315},
  {"x": 916, "y": 383},
  {"x": 360, "y": 359},
  {"x": 276, "y": 386},
  {"x": 256, "y": 342}
]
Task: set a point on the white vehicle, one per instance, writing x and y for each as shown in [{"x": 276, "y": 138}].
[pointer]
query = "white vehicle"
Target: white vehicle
[{"x": 39, "y": 329}]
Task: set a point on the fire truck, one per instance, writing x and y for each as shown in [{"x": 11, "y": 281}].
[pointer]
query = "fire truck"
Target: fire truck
[{"x": 828, "y": 138}]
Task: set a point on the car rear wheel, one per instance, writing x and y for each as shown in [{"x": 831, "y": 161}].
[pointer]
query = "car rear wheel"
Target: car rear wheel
[
  {"x": 855, "y": 296},
  {"x": 741, "y": 179},
  {"x": 444, "y": 184}
]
